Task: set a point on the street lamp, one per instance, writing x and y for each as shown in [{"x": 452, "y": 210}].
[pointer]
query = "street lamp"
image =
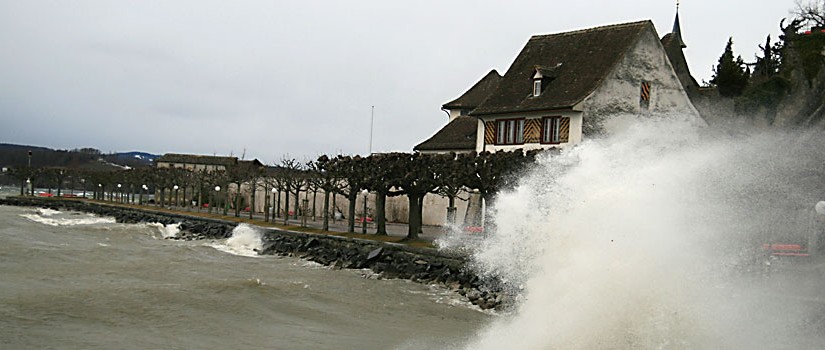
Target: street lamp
[
  {"x": 176, "y": 194},
  {"x": 120, "y": 193},
  {"x": 364, "y": 215},
  {"x": 142, "y": 189},
  {"x": 217, "y": 194},
  {"x": 100, "y": 189}
]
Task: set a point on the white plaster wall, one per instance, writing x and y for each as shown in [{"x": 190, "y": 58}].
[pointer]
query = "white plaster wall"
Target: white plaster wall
[
  {"x": 620, "y": 92},
  {"x": 397, "y": 208},
  {"x": 574, "y": 137}
]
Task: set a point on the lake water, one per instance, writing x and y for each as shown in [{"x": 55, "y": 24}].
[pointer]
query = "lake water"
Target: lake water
[{"x": 76, "y": 281}]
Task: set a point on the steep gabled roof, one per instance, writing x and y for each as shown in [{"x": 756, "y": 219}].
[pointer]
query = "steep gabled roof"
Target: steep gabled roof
[
  {"x": 673, "y": 45},
  {"x": 581, "y": 60},
  {"x": 473, "y": 97},
  {"x": 196, "y": 159},
  {"x": 459, "y": 134}
]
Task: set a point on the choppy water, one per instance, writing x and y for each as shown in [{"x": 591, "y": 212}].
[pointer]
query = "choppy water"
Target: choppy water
[{"x": 75, "y": 281}]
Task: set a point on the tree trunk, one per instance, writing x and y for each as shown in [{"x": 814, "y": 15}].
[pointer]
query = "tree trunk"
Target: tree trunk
[
  {"x": 326, "y": 211},
  {"x": 238, "y": 200},
  {"x": 414, "y": 219},
  {"x": 295, "y": 207},
  {"x": 314, "y": 201},
  {"x": 277, "y": 212},
  {"x": 352, "y": 196},
  {"x": 451, "y": 210},
  {"x": 380, "y": 213},
  {"x": 421, "y": 214},
  {"x": 286, "y": 206},
  {"x": 252, "y": 201},
  {"x": 266, "y": 203},
  {"x": 334, "y": 205}
]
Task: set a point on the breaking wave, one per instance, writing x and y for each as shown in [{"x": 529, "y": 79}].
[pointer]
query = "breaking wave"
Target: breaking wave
[
  {"x": 56, "y": 218},
  {"x": 650, "y": 239},
  {"x": 245, "y": 241}
]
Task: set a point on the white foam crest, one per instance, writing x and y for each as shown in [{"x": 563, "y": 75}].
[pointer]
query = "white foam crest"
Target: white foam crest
[
  {"x": 626, "y": 242},
  {"x": 87, "y": 220},
  {"x": 47, "y": 212},
  {"x": 166, "y": 231},
  {"x": 245, "y": 241}
]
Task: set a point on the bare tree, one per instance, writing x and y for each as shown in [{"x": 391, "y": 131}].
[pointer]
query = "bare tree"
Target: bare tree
[{"x": 810, "y": 13}]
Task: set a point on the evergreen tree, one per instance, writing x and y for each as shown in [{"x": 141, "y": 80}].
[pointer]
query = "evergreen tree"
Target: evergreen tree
[
  {"x": 730, "y": 76},
  {"x": 767, "y": 65}
]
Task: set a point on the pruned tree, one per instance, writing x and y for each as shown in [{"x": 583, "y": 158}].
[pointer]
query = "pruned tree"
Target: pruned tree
[
  {"x": 493, "y": 172},
  {"x": 383, "y": 170},
  {"x": 292, "y": 178},
  {"x": 327, "y": 180},
  {"x": 351, "y": 171},
  {"x": 417, "y": 176},
  {"x": 455, "y": 170}
]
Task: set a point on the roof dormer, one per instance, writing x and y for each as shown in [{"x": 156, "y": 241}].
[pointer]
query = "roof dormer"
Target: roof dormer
[{"x": 542, "y": 76}]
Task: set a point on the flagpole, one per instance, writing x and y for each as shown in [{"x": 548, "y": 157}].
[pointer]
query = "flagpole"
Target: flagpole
[{"x": 372, "y": 117}]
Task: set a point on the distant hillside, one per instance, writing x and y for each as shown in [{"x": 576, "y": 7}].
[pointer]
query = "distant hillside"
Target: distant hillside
[{"x": 12, "y": 155}]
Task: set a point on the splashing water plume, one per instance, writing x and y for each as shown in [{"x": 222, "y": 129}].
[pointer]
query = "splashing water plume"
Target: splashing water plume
[
  {"x": 245, "y": 241},
  {"x": 650, "y": 239}
]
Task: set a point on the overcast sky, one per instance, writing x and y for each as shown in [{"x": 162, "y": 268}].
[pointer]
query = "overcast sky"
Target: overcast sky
[{"x": 294, "y": 78}]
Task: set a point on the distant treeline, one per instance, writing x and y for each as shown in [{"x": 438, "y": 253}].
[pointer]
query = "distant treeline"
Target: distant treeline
[{"x": 15, "y": 156}]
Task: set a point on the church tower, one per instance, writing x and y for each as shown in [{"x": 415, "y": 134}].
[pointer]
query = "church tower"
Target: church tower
[{"x": 674, "y": 47}]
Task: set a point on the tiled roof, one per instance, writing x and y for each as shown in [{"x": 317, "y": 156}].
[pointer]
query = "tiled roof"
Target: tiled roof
[
  {"x": 196, "y": 159},
  {"x": 672, "y": 44},
  {"x": 580, "y": 61},
  {"x": 459, "y": 134},
  {"x": 473, "y": 97}
]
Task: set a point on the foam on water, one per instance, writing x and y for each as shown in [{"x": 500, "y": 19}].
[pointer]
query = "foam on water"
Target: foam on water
[
  {"x": 245, "y": 241},
  {"x": 646, "y": 239},
  {"x": 57, "y": 218},
  {"x": 166, "y": 231}
]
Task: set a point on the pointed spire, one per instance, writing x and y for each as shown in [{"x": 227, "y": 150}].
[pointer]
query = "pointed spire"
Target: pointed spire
[{"x": 677, "y": 29}]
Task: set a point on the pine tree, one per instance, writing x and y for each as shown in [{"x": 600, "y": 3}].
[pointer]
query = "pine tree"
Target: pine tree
[{"x": 730, "y": 75}]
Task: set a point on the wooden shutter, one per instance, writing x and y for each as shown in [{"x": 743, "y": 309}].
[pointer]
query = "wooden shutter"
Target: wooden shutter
[
  {"x": 532, "y": 130},
  {"x": 564, "y": 129},
  {"x": 489, "y": 132}
]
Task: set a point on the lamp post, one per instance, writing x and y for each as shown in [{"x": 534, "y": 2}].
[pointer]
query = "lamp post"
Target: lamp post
[
  {"x": 142, "y": 189},
  {"x": 28, "y": 179},
  {"x": 176, "y": 194},
  {"x": 83, "y": 181},
  {"x": 364, "y": 215},
  {"x": 217, "y": 194},
  {"x": 100, "y": 189},
  {"x": 119, "y": 193}
]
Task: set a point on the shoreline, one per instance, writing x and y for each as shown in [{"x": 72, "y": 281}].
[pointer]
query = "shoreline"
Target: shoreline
[{"x": 387, "y": 260}]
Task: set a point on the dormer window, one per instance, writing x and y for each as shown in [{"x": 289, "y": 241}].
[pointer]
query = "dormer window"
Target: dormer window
[
  {"x": 537, "y": 83},
  {"x": 542, "y": 76}
]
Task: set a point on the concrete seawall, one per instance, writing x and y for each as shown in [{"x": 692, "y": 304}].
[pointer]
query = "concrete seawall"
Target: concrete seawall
[{"x": 386, "y": 260}]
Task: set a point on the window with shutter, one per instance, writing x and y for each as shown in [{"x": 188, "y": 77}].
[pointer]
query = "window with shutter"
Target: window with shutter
[
  {"x": 555, "y": 130},
  {"x": 509, "y": 131}
]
